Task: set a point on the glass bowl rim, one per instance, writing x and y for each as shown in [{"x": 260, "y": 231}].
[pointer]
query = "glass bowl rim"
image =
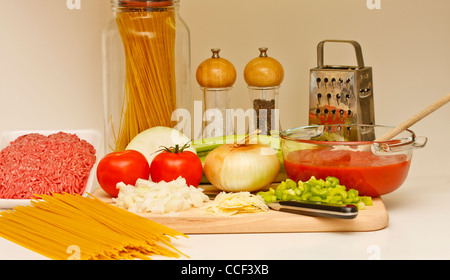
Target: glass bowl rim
[{"x": 284, "y": 135}]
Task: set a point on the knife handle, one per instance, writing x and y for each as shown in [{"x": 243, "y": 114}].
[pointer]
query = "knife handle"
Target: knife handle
[{"x": 316, "y": 209}]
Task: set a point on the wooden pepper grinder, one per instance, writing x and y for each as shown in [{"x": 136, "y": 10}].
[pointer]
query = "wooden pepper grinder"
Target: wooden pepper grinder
[
  {"x": 263, "y": 76},
  {"x": 216, "y": 77}
]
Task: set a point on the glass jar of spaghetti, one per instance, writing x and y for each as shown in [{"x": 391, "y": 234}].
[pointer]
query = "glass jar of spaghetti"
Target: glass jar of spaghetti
[{"x": 146, "y": 70}]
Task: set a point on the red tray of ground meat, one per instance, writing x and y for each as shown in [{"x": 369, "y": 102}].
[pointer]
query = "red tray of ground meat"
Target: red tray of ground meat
[{"x": 45, "y": 162}]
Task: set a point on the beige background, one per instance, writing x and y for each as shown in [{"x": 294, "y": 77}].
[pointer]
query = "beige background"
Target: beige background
[{"x": 51, "y": 76}]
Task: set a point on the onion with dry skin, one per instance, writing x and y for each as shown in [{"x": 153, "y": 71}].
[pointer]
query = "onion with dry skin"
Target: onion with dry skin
[{"x": 245, "y": 167}]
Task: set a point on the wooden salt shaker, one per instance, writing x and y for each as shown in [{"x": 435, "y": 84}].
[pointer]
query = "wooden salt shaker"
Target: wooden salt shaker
[{"x": 216, "y": 77}]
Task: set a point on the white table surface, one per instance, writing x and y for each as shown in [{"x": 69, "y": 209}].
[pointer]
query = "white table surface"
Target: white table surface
[{"x": 419, "y": 228}]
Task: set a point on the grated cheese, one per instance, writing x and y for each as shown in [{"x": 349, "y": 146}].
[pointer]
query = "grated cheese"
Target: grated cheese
[{"x": 233, "y": 203}]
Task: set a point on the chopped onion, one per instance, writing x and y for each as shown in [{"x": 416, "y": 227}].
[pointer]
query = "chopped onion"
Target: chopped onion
[
  {"x": 162, "y": 197},
  {"x": 244, "y": 167}
]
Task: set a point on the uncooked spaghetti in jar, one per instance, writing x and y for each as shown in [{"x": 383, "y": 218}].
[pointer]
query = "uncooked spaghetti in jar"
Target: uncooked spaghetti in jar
[{"x": 146, "y": 69}]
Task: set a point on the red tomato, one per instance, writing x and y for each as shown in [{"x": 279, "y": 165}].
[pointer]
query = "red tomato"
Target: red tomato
[
  {"x": 126, "y": 166},
  {"x": 173, "y": 163}
]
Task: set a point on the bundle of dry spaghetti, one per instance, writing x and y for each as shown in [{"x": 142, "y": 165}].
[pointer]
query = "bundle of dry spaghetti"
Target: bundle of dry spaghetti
[
  {"x": 150, "y": 90},
  {"x": 59, "y": 225}
]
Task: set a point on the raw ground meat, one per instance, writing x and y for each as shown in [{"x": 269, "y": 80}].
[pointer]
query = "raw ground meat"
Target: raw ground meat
[{"x": 36, "y": 164}]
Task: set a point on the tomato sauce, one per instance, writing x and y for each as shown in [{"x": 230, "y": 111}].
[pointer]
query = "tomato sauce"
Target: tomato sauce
[{"x": 370, "y": 174}]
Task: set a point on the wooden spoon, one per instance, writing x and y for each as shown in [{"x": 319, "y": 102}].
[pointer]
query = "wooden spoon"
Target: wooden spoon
[{"x": 409, "y": 122}]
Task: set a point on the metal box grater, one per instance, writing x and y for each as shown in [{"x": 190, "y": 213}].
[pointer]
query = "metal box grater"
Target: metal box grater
[{"x": 341, "y": 94}]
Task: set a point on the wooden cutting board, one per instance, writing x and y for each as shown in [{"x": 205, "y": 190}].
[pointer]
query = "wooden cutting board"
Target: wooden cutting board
[{"x": 195, "y": 221}]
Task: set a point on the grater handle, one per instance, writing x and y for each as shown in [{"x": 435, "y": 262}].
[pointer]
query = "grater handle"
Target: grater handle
[{"x": 356, "y": 45}]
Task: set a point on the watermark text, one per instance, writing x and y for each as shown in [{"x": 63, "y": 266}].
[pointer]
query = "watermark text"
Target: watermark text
[
  {"x": 73, "y": 4},
  {"x": 373, "y": 4}
]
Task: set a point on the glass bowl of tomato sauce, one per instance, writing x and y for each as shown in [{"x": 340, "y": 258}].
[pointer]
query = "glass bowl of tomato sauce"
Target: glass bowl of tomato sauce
[{"x": 350, "y": 153}]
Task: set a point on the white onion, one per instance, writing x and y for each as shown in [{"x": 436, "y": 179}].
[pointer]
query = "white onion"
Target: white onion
[
  {"x": 149, "y": 141},
  {"x": 163, "y": 197},
  {"x": 246, "y": 167}
]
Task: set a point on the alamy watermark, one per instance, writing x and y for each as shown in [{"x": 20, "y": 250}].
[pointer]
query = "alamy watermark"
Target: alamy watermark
[
  {"x": 215, "y": 122},
  {"x": 373, "y": 4},
  {"x": 73, "y": 4},
  {"x": 374, "y": 252},
  {"x": 76, "y": 4},
  {"x": 74, "y": 252}
]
